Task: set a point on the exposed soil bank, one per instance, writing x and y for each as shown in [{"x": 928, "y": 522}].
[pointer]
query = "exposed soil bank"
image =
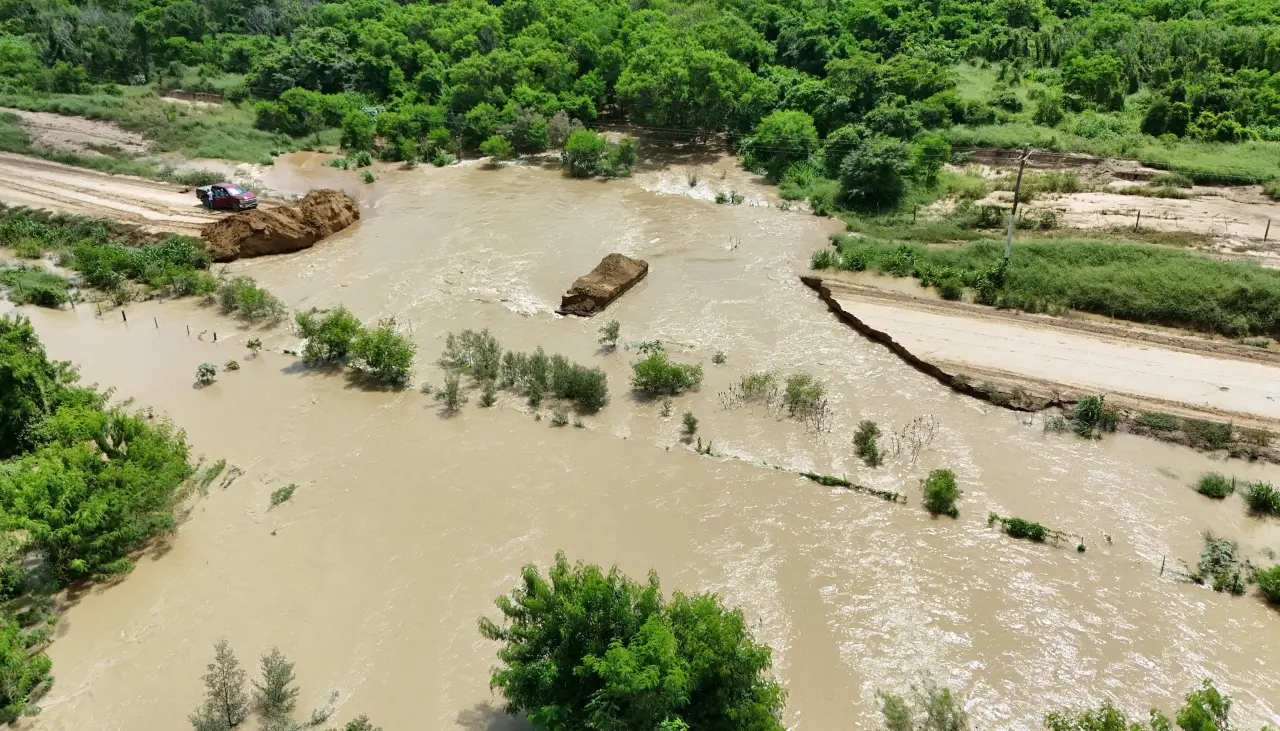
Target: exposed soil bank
[
  {"x": 56, "y": 132},
  {"x": 1025, "y": 365},
  {"x": 280, "y": 230},
  {"x": 612, "y": 277}
]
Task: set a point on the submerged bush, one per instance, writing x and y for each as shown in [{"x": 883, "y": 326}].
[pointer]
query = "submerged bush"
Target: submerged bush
[
  {"x": 476, "y": 353},
  {"x": 1269, "y": 583},
  {"x": 941, "y": 493},
  {"x": 243, "y": 296},
  {"x": 657, "y": 375},
  {"x": 690, "y": 425},
  {"x": 329, "y": 334},
  {"x": 1262, "y": 498},
  {"x": 865, "y": 441},
  {"x": 1215, "y": 485},
  {"x": 33, "y": 285},
  {"x": 1092, "y": 416},
  {"x": 383, "y": 353}
]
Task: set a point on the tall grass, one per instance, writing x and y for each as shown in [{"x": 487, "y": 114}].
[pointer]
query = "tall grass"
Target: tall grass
[{"x": 1134, "y": 282}]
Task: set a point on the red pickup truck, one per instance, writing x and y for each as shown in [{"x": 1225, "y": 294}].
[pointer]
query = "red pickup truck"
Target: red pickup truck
[{"x": 226, "y": 195}]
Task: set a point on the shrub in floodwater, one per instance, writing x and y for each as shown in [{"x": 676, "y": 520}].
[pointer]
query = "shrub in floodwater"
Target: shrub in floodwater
[
  {"x": 205, "y": 373},
  {"x": 587, "y": 386},
  {"x": 283, "y": 494},
  {"x": 1092, "y": 416},
  {"x": 383, "y": 353},
  {"x": 753, "y": 388},
  {"x": 657, "y": 375},
  {"x": 865, "y": 442},
  {"x": 1220, "y": 563},
  {"x": 559, "y": 416},
  {"x": 941, "y": 492},
  {"x": 243, "y": 296},
  {"x": 719, "y": 358},
  {"x": 1157, "y": 420},
  {"x": 1269, "y": 583},
  {"x": 1215, "y": 485},
  {"x": 231, "y": 365},
  {"x": 37, "y": 286},
  {"x": 329, "y": 334},
  {"x": 367, "y": 176},
  {"x": 1020, "y": 528},
  {"x": 609, "y": 333},
  {"x": 690, "y": 424},
  {"x": 665, "y": 411},
  {"x": 803, "y": 394},
  {"x": 1055, "y": 423},
  {"x": 488, "y": 394},
  {"x": 477, "y": 353},
  {"x": 254, "y": 346},
  {"x": 1262, "y": 498},
  {"x": 452, "y": 394}
]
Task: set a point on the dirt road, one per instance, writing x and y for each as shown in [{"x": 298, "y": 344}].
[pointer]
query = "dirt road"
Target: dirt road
[
  {"x": 26, "y": 181},
  {"x": 1145, "y": 369}
]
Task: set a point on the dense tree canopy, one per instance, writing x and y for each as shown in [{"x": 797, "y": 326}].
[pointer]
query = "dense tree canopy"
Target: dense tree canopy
[
  {"x": 586, "y": 649},
  {"x": 668, "y": 63}
]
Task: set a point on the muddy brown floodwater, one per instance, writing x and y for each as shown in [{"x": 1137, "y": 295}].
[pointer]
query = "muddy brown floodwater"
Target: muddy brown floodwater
[{"x": 406, "y": 525}]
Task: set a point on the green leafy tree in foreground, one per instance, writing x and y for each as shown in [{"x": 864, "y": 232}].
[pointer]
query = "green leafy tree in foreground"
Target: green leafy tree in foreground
[
  {"x": 225, "y": 703},
  {"x": 586, "y": 649},
  {"x": 23, "y": 674},
  {"x": 873, "y": 173}
]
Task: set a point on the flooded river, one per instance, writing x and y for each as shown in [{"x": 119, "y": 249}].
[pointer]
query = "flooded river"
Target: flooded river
[{"x": 406, "y": 524}]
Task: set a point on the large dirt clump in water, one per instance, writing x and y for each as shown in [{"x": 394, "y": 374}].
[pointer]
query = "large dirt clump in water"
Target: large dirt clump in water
[
  {"x": 280, "y": 230},
  {"x": 593, "y": 292}
]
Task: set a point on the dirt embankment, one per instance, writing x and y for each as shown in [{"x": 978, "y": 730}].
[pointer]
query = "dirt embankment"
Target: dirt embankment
[
  {"x": 154, "y": 206},
  {"x": 52, "y": 132},
  {"x": 280, "y": 230},
  {"x": 1029, "y": 363},
  {"x": 611, "y": 278}
]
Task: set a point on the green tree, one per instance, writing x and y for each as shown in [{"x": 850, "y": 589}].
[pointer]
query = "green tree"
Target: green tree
[
  {"x": 586, "y": 649},
  {"x": 782, "y": 138},
  {"x": 1206, "y": 710},
  {"x": 25, "y": 673},
  {"x": 690, "y": 425},
  {"x": 584, "y": 152},
  {"x": 357, "y": 131},
  {"x": 276, "y": 695},
  {"x": 102, "y": 484},
  {"x": 1099, "y": 79},
  {"x": 928, "y": 155},
  {"x": 384, "y": 353},
  {"x": 225, "y": 703},
  {"x": 928, "y": 707},
  {"x": 1106, "y": 717},
  {"x": 32, "y": 387},
  {"x": 329, "y": 334},
  {"x": 873, "y": 173},
  {"x": 497, "y": 148}
]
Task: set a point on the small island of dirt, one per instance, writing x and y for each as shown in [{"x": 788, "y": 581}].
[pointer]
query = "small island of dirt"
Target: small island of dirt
[{"x": 593, "y": 292}]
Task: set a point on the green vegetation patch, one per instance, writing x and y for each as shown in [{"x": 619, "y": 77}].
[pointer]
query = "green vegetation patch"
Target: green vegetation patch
[
  {"x": 1215, "y": 485},
  {"x": 35, "y": 285},
  {"x": 1141, "y": 283},
  {"x": 941, "y": 493},
  {"x": 578, "y": 636}
]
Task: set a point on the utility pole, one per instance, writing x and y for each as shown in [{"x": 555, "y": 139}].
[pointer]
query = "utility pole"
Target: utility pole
[{"x": 1017, "y": 189}]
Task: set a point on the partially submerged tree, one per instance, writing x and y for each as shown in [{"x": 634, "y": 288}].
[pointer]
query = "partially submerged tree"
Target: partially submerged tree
[
  {"x": 225, "y": 703},
  {"x": 276, "y": 695}
]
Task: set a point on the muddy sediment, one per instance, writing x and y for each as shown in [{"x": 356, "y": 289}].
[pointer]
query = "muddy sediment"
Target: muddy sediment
[
  {"x": 280, "y": 230},
  {"x": 593, "y": 291}
]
